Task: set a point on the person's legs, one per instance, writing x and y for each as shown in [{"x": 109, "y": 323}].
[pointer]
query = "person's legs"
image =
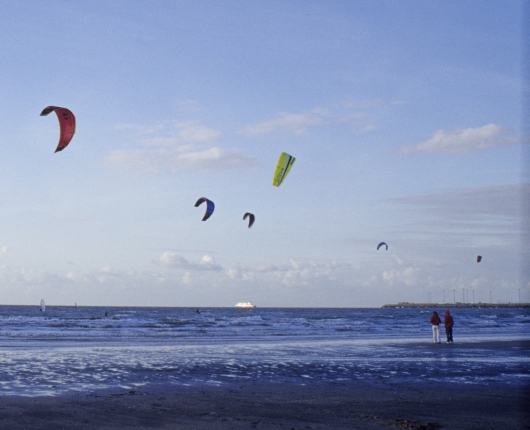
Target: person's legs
[
  {"x": 436, "y": 334},
  {"x": 449, "y": 332}
]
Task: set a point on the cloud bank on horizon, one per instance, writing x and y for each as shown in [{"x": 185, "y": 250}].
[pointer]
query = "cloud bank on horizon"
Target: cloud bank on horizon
[{"x": 409, "y": 137}]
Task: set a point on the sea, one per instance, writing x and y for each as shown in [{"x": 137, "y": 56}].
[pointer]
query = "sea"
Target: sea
[{"x": 81, "y": 349}]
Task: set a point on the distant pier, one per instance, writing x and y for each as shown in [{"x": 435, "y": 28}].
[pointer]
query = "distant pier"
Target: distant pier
[{"x": 458, "y": 305}]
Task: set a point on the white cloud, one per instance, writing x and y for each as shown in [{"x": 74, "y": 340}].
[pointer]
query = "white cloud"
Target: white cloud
[
  {"x": 176, "y": 133},
  {"x": 407, "y": 276},
  {"x": 196, "y": 133},
  {"x": 398, "y": 259},
  {"x": 232, "y": 273},
  {"x": 296, "y": 123},
  {"x": 290, "y": 273},
  {"x": 175, "y": 147},
  {"x": 173, "y": 260},
  {"x": 460, "y": 140},
  {"x": 3, "y": 250},
  {"x": 139, "y": 129},
  {"x": 156, "y": 160},
  {"x": 358, "y": 119},
  {"x": 368, "y": 127},
  {"x": 360, "y": 114},
  {"x": 105, "y": 286}
]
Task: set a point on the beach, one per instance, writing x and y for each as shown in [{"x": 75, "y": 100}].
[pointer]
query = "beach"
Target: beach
[
  {"x": 374, "y": 403},
  {"x": 266, "y": 368},
  {"x": 359, "y": 405}
]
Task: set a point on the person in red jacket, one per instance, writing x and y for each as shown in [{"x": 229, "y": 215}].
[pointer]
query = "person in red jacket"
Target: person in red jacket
[
  {"x": 435, "y": 321},
  {"x": 448, "y": 323}
]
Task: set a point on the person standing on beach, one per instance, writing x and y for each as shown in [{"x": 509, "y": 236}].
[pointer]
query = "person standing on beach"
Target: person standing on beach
[
  {"x": 448, "y": 323},
  {"x": 435, "y": 321}
]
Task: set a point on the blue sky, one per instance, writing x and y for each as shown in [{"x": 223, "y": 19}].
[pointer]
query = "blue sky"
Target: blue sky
[{"x": 405, "y": 119}]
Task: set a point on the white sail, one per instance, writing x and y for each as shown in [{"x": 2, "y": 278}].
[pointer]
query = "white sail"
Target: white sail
[{"x": 42, "y": 305}]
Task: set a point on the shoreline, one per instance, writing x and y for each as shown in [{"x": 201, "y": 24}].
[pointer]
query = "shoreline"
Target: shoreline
[
  {"x": 375, "y": 405},
  {"x": 54, "y": 371}
]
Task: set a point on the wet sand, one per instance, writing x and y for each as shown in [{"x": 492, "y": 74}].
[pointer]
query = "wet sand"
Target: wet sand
[
  {"x": 483, "y": 344},
  {"x": 371, "y": 404},
  {"x": 357, "y": 405}
]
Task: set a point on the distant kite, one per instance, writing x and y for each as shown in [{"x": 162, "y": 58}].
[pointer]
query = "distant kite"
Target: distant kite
[
  {"x": 66, "y": 124},
  {"x": 209, "y": 207},
  {"x": 283, "y": 166},
  {"x": 250, "y": 217},
  {"x": 479, "y": 258},
  {"x": 381, "y": 244}
]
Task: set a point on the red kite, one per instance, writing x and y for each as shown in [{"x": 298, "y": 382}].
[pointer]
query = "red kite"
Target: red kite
[{"x": 66, "y": 123}]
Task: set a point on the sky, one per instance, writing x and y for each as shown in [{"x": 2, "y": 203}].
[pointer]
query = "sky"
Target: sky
[{"x": 406, "y": 120}]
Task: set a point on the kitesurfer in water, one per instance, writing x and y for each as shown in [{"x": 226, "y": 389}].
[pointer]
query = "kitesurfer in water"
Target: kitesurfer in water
[
  {"x": 435, "y": 321},
  {"x": 448, "y": 323}
]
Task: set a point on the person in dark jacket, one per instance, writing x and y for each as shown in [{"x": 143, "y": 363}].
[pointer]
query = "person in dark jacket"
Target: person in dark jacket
[
  {"x": 435, "y": 321},
  {"x": 448, "y": 323}
]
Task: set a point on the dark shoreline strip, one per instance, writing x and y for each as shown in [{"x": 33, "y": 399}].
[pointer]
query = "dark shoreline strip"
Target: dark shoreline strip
[{"x": 323, "y": 406}]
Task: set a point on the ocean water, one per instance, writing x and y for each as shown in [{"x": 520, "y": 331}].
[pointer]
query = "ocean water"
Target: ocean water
[{"x": 68, "y": 349}]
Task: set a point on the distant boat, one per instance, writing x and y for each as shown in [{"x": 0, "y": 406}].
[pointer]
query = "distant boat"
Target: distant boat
[
  {"x": 246, "y": 305},
  {"x": 42, "y": 305},
  {"x": 75, "y": 304}
]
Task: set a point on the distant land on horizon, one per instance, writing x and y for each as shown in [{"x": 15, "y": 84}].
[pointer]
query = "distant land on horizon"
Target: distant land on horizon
[
  {"x": 397, "y": 305},
  {"x": 458, "y": 305}
]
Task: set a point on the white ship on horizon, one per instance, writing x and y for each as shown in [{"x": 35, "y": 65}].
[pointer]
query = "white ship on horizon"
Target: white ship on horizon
[{"x": 246, "y": 305}]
